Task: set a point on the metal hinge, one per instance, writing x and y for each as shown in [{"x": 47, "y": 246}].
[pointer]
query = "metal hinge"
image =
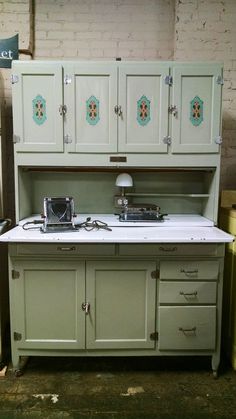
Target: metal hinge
[
  {"x": 220, "y": 80},
  {"x": 14, "y": 79},
  {"x": 169, "y": 80},
  {"x": 155, "y": 274},
  {"x": 218, "y": 140},
  {"x": 154, "y": 336},
  {"x": 67, "y": 139},
  {"x": 17, "y": 336},
  {"x": 167, "y": 140},
  {"x": 15, "y": 274},
  {"x": 16, "y": 139},
  {"x": 67, "y": 79}
]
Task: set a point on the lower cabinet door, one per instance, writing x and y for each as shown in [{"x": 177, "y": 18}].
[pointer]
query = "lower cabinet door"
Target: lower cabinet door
[
  {"x": 46, "y": 301},
  {"x": 187, "y": 328},
  {"x": 122, "y": 298}
]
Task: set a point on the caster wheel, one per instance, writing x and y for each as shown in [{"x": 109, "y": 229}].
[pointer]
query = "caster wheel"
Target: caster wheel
[{"x": 18, "y": 373}]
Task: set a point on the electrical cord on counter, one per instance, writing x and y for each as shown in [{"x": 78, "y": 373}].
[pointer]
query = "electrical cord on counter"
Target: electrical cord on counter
[
  {"x": 88, "y": 225},
  {"x": 32, "y": 222}
]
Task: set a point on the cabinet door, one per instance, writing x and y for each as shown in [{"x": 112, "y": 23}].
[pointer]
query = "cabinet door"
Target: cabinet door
[
  {"x": 37, "y": 113},
  {"x": 91, "y": 97},
  {"x": 122, "y": 297},
  {"x": 143, "y": 113},
  {"x": 46, "y": 304},
  {"x": 196, "y": 118}
]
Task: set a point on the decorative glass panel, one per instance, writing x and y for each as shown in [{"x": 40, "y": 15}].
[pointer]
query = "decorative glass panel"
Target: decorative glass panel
[
  {"x": 143, "y": 110},
  {"x": 196, "y": 111},
  {"x": 92, "y": 110},
  {"x": 39, "y": 110}
]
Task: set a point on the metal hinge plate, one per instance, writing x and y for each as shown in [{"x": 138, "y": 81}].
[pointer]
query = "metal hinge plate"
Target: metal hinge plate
[
  {"x": 16, "y": 139},
  {"x": 67, "y": 139},
  {"x": 155, "y": 274},
  {"x": 220, "y": 80},
  {"x": 15, "y": 274},
  {"x": 218, "y": 140},
  {"x": 169, "y": 80},
  {"x": 154, "y": 336},
  {"x": 67, "y": 79},
  {"x": 17, "y": 336},
  {"x": 14, "y": 79}
]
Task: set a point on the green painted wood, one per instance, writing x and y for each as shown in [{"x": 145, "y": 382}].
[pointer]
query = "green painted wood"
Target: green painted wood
[
  {"x": 143, "y": 97},
  {"x": 37, "y": 97},
  {"x": 46, "y": 304},
  {"x": 186, "y": 328},
  {"x": 122, "y": 296},
  {"x": 189, "y": 82},
  {"x": 91, "y": 86}
]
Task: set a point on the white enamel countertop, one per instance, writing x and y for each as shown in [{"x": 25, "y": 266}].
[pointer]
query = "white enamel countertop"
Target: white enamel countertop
[{"x": 175, "y": 229}]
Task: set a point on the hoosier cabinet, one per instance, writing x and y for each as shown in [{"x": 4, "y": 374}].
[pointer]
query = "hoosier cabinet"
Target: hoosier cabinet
[{"x": 139, "y": 270}]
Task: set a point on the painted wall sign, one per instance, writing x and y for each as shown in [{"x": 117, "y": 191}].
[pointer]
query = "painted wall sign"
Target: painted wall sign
[{"x": 8, "y": 51}]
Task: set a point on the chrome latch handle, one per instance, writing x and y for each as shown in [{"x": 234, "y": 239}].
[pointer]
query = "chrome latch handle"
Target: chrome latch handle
[{"x": 86, "y": 307}]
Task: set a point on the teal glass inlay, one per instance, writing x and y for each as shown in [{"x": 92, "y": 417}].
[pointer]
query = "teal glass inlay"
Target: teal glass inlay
[
  {"x": 196, "y": 111},
  {"x": 143, "y": 110},
  {"x": 92, "y": 110},
  {"x": 39, "y": 110}
]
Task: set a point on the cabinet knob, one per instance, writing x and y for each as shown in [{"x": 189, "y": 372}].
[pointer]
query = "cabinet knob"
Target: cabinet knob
[{"x": 118, "y": 110}]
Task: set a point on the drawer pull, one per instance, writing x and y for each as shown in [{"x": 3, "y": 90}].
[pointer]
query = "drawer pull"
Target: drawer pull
[
  {"x": 66, "y": 249},
  {"x": 189, "y": 273},
  {"x": 191, "y": 331},
  {"x": 188, "y": 294},
  {"x": 168, "y": 249}
]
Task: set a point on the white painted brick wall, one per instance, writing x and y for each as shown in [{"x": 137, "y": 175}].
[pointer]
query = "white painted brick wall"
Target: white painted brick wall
[
  {"x": 206, "y": 30},
  {"x": 105, "y": 29}
]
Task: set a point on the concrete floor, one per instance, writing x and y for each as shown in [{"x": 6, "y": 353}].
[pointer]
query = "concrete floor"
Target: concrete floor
[{"x": 129, "y": 388}]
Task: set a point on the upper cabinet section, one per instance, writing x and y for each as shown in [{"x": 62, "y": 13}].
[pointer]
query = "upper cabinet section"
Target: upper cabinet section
[
  {"x": 196, "y": 108},
  {"x": 37, "y": 96},
  {"x": 111, "y": 109},
  {"x": 117, "y": 108}
]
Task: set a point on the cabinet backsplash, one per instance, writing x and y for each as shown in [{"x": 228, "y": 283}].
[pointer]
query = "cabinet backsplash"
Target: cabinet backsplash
[{"x": 93, "y": 192}]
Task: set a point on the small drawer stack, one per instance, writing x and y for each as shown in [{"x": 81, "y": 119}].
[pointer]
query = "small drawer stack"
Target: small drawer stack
[{"x": 187, "y": 304}]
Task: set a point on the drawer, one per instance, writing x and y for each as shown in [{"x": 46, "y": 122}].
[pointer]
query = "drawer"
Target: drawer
[
  {"x": 189, "y": 270},
  {"x": 187, "y": 292},
  {"x": 187, "y": 328},
  {"x": 65, "y": 249},
  {"x": 210, "y": 249}
]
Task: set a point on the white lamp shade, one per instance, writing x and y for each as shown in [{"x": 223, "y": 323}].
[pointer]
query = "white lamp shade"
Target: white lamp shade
[{"x": 124, "y": 180}]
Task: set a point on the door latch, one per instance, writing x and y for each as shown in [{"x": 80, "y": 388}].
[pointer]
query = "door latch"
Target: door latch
[{"x": 86, "y": 307}]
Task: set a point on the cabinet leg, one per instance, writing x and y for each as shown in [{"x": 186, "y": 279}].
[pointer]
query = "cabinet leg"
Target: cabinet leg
[
  {"x": 19, "y": 364},
  {"x": 215, "y": 362}
]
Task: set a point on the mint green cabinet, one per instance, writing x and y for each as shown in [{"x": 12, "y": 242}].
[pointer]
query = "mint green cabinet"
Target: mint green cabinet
[
  {"x": 91, "y": 98},
  {"x": 46, "y": 299},
  {"x": 122, "y": 297},
  {"x": 196, "y": 112},
  {"x": 116, "y": 107},
  {"x": 37, "y": 95}
]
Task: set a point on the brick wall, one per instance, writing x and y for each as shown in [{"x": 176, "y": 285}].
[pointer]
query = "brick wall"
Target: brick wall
[
  {"x": 104, "y": 29},
  {"x": 133, "y": 30},
  {"x": 206, "y": 30}
]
